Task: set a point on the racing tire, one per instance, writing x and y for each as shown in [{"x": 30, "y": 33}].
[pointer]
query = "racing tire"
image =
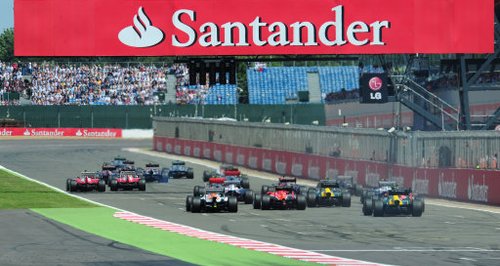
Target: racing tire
[
  {"x": 113, "y": 185},
  {"x": 248, "y": 197},
  {"x": 142, "y": 185},
  {"x": 190, "y": 175},
  {"x": 68, "y": 184},
  {"x": 189, "y": 200},
  {"x": 417, "y": 208},
  {"x": 232, "y": 204},
  {"x": 256, "y": 201},
  {"x": 266, "y": 202},
  {"x": 301, "y": 202},
  {"x": 367, "y": 207},
  {"x": 346, "y": 199},
  {"x": 362, "y": 197},
  {"x": 73, "y": 186},
  {"x": 311, "y": 198},
  {"x": 196, "y": 191},
  {"x": 378, "y": 208},
  {"x": 264, "y": 189},
  {"x": 206, "y": 176},
  {"x": 196, "y": 205},
  {"x": 245, "y": 183},
  {"x": 101, "y": 186}
]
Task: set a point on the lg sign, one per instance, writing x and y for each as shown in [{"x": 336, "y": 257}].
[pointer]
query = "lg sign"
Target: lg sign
[
  {"x": 257, "y": 27},
  {"x": 373, "y": 88},
  {"x": 375, "y": 85}
]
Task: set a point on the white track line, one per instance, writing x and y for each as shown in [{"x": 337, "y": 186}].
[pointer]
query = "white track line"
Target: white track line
[{"x": 210, "y": 236}]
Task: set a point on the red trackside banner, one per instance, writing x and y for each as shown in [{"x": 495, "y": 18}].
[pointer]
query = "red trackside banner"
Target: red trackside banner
[
  {"x": 61, "y": 132},
  {"x": 251, "y": 27}
]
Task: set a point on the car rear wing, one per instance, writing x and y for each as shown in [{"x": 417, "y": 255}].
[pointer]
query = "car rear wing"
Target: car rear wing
[
  {"x": 232, "y": 172},
  {"x": 109, "y": 167},
  {"x": 152, "y": 165},
  {"x": 232, "y": 182},
  {"x": 128, "y": 162},
  {"x": 288, "y": 180},
  {"x": 216, "y": 180}
]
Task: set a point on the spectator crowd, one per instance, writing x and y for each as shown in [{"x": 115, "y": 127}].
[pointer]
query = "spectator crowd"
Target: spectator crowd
[{"x": 67, "y": 84}]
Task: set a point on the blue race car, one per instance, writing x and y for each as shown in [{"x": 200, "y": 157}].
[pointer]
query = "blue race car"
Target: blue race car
[
  {"x": 153, "y": 173},
  {"x": 179, "y": 170},
  {"x": 233, "y": 187}
]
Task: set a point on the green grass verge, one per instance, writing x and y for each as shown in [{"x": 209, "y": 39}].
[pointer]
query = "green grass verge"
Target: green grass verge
[
  {"x": 100, "y": 221},
  {"x": 20, "y": 193}
]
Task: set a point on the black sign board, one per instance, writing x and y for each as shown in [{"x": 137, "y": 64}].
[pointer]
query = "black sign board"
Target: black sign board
[{"x": 373, "y": 88}]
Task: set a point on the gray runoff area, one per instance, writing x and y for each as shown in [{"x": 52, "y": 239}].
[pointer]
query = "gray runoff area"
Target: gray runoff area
[
  {"x": 442, "y": 236},
  {"x": 28, "y": 238}
]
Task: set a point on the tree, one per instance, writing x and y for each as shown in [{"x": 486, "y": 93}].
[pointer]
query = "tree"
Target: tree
[{"x": 7, "y": 45}]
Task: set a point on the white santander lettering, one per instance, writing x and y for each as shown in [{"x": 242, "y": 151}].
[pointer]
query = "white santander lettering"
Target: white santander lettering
[{"x": 329, "y": 33}]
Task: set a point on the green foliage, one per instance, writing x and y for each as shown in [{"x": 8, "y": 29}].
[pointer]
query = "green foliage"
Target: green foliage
[{"x": 7, "y": 45}]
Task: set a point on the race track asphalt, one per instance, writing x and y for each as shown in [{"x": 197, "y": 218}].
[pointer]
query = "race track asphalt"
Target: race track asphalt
[{"x": 442, "y": 236}]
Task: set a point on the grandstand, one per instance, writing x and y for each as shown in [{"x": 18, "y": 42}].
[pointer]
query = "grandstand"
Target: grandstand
[{"x": 277, "y": 85}]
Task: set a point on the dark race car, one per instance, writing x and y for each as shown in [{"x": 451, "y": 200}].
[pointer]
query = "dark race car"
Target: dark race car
[
  {"x": 229, "y": 171},
  {"x": 397, "y": 202},
  {"x": 127, "y": 180},
  {"x": 328, "y": 193},
  {"x": 233, "y": 187},
  {"x": 212, "y": 197},
  {"x": 346, "y": 182},
  {"x": 286, "y": 181},
  {"x": 281, "y": 196},
  {"x": 383, "y": 185},
  {"x": 153, "y": 173},
  {"x": 87, "y": 181},
  {"x": 107, "y": 171},
  {"x": 178, "y": 169}
]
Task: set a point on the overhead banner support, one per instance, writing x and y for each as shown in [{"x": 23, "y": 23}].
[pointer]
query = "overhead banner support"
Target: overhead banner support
[{"x": 251, "y": 27}]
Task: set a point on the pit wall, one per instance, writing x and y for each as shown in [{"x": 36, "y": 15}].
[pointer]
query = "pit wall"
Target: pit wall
[{"x": 471, "y": 185}]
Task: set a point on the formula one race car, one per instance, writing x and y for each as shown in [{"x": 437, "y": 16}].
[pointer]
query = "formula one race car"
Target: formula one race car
[
  {"x": 115, "y": 166},
  {"x": 281, "y": 196},
  {"x": 229, "y": 171},
  {"x": 233, "y": 187},
  {"x": 328, "y": 193},
  {"x": 346, "y": 182},
  {"x": 397, "y": 201},
  {"x": 383, "y": 185},
  {"x": 153, "y": 173},
  {"x": 212, "y": 197},
  {"x": 286, "y": 181},
  {"x": 87, "y": 181},
  {"x": 127, "y": 180},
  {"x": 179, "y": 169}
]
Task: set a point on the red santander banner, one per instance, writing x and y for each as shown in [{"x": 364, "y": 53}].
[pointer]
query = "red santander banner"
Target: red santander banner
[
  {"x": 251, "y": 27},
  {"x": 61, "y": 132}
]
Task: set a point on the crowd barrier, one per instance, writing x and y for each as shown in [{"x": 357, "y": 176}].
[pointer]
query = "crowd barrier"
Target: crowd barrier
[
  {"x": 61, "y": 132},
  {"x": 457, "y": 184}
]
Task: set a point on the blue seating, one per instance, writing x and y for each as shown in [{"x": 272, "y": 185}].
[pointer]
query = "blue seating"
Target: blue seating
[
  {"x": 274, "y": 85},
  {"x": 222, "y": 94}
]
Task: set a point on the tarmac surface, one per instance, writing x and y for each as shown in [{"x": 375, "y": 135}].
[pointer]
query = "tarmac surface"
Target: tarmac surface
[{"x": 442, "y": 236}]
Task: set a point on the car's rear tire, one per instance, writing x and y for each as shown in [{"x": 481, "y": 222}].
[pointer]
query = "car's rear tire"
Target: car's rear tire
[
  {"x": 232, "y": 204},
  {"x": 73, "y": 186},
  {"x": 190, "y": 174},
  {"x": 248, "y": 197},
  {"x": 196, "y": 204},
  {"x": 206, "y": 175},
  {"x": 196, "y": 191},
  {"x": 378, "y": 208},
  {"x": 189, "y": 200},
  {"x": 256, "y": 201},
  {"x": 101, "y": 186},
  {"x": 346, "y": 199},
  {"x": 142, "y": 185},
  {"x": 266, "y": 202},
  {"x": 311, "y": 198},
  {"x": 113, "y": 185},
  {"x": 68, "y": 184},
  {"x": 245, "y": 183},
  {"x": 417, "y": 208},
  {"x": 301, "y": 202},
  {"x": 367, "y": 207}
]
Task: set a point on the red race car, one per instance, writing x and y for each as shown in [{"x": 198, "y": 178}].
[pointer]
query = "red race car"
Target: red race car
[
  {"x": 87, "y": 181},
  {"x": 127, "y": 180},
  {"x": 282, "y": 196}
]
